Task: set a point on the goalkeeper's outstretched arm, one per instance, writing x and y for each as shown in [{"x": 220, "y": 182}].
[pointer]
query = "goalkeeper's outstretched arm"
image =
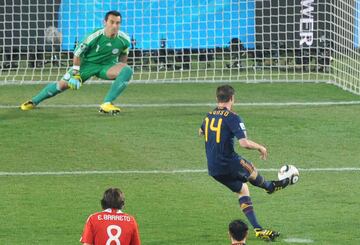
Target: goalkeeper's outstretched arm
[{"x": 76, "y": 61}]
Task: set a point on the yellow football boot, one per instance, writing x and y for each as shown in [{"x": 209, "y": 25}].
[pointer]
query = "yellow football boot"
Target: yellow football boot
[
  {"x": 267, "y": 235},
  {"x": 27, "y": 106},
  {"x": 109, "y": 108}
]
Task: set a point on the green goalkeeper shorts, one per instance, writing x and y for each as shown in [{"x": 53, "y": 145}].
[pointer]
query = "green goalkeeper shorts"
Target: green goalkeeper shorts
[{"x": 87, "y": 70}]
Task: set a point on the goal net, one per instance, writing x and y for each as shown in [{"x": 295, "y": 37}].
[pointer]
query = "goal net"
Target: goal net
[{"x": 190, "y": 41}]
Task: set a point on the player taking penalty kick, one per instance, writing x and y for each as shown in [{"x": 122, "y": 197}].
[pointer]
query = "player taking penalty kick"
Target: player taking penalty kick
[
  {"x": 97, "y": 55},
  {"x": 219, "y": 128}
]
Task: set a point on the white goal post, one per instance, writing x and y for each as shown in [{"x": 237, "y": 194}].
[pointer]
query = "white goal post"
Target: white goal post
[{"x": 190, "y": 41}]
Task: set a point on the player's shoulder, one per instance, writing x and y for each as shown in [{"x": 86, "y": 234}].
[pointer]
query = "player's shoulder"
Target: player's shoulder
[
  {"x": 94, "y": 34},
  {"x": 122, "y": 35},
  {"x": 233, "y": 117},
  {"x": 132, "y": 218},
  {"x": 91, "y": 217},
  {"x": 97, "y": 32},
  {"x": 234, "y": 113}
]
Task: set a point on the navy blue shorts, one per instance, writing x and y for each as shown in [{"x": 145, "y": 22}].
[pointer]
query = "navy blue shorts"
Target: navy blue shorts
[{"x": 240, "y": 175}]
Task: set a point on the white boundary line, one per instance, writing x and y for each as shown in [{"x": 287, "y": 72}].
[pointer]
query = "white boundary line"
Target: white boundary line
[
  {"x": 175, "y": 171},
  {"x": 298, "y": 240},
  {"x": 180, "y": 80},
  {"x": 321, "y": 103}
]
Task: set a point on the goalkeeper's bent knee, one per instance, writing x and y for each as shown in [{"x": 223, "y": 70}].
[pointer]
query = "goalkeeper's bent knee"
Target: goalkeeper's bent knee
[
  {"x": 119, "y": 84},
  {"x": 125, "y": 74}
]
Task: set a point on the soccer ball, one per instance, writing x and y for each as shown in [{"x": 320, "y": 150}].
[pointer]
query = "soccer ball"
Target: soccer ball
[{"x": 290, "y": 172}]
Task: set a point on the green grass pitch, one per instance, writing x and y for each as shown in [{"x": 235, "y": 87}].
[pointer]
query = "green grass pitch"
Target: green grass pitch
[{"x": 182, "y": 208}]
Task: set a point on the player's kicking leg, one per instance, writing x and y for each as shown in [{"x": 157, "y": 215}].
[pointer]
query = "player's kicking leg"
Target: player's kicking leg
[
  {"x": 270, "y": 186},
  {"x": 121, "y": 74},
  {"x": 257, "y": 180}
]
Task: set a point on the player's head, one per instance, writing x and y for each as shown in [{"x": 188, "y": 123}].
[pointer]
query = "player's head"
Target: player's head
[
  {"x": 238, "y": 230},
  {"x": 225, "y": 94},
  {"x": 112, "y": 22},
  {"x": 113, "y": 198}
]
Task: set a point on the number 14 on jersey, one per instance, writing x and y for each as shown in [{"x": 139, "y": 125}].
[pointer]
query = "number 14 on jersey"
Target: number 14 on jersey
[{"x": 216, "y": 129}]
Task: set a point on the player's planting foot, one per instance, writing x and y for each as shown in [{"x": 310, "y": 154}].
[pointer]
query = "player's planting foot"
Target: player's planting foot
[
  {"x": 109, "y": 108},
  {"x": 267, "y": 235},
  {"x": 278, "y": 185},
  {"x": 28, "y": 105}
]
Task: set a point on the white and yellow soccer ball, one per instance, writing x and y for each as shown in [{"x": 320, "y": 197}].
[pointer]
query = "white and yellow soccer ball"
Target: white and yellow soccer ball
[{"x": 289, "y": 172}]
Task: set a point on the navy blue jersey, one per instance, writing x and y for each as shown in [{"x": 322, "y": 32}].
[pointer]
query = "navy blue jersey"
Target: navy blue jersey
[{"x": 220, "y": 126}]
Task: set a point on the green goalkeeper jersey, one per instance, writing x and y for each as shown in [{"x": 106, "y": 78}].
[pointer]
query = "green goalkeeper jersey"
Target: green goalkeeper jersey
[{"x": 97, "y": 48}]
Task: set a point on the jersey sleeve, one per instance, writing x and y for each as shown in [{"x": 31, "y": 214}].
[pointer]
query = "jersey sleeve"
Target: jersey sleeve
[
  {"x": 88, "y": 234},
  {"x": 202, "y": 127},
  {"x": 237, "y": 126},
  {"x": 135, "y": 239},
  {"x": 125, "y": 52},
  {"x": 126, "y": 39},
  {"x": 87, "y": 43}
]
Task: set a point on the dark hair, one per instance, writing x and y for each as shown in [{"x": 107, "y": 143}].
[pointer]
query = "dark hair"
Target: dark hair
[
  {"x": 113, "y": 198},
  {"x": 224, "y": 93},
  {"x": 113, "y": 12},
  {"x": 238, "y": 229}
]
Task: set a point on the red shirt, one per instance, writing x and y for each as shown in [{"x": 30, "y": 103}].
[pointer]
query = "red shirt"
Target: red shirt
[{"x": 111, "y": 227}]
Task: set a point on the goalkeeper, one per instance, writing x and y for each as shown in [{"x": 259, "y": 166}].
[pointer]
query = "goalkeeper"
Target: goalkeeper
[{"x": 97, "y": 55}]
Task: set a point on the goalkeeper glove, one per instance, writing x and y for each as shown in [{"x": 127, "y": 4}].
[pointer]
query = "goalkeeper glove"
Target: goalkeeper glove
[{"x": 75, "y": 81}]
